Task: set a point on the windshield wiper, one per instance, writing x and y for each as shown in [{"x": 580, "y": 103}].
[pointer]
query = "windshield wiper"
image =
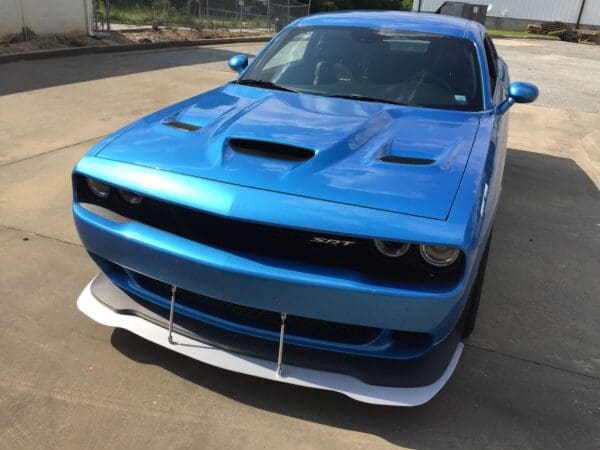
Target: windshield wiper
[
  {"x": 365, "y": 99},
  {"x": 265, "y": 84}
]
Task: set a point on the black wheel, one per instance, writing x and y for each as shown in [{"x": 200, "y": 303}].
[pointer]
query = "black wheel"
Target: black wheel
[{"x": 470, "y": 314}]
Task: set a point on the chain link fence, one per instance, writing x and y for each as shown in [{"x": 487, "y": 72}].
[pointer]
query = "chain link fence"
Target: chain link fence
[{"x": 238, "y": 15}]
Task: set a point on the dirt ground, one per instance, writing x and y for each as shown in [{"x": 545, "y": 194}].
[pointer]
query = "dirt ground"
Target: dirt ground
[{"x": 11, "y": 45}]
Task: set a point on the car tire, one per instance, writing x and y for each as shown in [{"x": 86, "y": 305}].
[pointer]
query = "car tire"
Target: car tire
[{"x": 470, "y": 314}]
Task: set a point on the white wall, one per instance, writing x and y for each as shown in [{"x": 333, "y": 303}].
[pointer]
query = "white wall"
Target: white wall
[
  {"x": 534, "y": 10},
  {"x": 10, "y": 17},
  {"x": 45, "y": 16}
]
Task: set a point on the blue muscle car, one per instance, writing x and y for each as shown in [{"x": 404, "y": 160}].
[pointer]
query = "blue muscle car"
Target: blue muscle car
[{"x": 324, "y": 220}]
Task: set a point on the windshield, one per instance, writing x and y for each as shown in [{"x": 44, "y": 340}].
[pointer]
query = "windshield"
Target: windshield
[{"x": 391, "y": 66}]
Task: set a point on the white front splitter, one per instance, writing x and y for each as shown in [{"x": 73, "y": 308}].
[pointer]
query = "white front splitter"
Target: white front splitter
[{"x": 344, "y": 384}]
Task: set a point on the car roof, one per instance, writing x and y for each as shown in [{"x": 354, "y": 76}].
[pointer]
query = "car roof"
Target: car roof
[{"x": 408, "y": 21}]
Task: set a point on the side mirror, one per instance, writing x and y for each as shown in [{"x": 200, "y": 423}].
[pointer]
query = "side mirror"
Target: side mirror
[
  {"x": 238, "y": 63},
  {"x": 518, "y": 92}
]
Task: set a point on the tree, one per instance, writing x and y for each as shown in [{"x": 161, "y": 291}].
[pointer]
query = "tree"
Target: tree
[
  {"x": 330, "y": 5},
  {"x": 323, "y": 5}
]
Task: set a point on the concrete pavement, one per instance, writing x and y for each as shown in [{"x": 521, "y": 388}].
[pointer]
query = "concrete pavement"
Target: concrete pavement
[{"x": 530, "y": 374}]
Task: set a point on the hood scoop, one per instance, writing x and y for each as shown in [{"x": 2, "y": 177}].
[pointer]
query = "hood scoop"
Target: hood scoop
[
  {"x": 410, "y": 160},
  {"x": 271, "y": 150},
  {"x": 181, "y": 125},
  {"x": 412, "y": 152}
]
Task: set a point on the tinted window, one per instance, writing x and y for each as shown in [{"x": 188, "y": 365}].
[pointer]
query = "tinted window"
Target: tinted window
[
  {"x": 492, "y": 61},
  {"x": 397, "y": 66}
]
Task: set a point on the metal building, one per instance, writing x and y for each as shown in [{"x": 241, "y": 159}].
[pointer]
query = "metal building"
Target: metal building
[{"x": 517, "y": 14}]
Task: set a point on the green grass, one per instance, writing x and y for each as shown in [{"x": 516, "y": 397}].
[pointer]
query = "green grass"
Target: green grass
[
  {"x": 518, "y": 35},
  {"x": 134, "y": 16},
  {"x": 146, "y": 16}
]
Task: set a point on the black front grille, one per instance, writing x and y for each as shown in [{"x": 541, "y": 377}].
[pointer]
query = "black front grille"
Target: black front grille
[
  {"x": 274, "y": 245},
  {"x": 259, "y": 318}
]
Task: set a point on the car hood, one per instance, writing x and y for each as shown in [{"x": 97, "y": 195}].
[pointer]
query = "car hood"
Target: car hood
[{"x": 401, "y": 159}]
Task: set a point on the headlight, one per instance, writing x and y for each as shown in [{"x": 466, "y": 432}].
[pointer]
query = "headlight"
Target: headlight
[
  {"x": 392, "y": 249},
  {"x": 98, "y": 188},
  {"x": 130, "y": 197},
  {"x": 439, "y": 255}
]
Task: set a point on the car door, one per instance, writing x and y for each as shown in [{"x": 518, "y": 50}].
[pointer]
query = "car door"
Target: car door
[{"x": 499, "y": 82}]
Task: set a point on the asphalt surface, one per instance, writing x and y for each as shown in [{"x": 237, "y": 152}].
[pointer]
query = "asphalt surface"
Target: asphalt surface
[
  {"x": 529, "y": 376},
  {"x": 567, "y": 74}
]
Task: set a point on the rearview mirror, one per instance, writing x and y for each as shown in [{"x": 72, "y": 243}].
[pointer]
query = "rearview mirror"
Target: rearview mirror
[
  {"x": 518, "y": 92},
  {"x": 238, "y": 63}
]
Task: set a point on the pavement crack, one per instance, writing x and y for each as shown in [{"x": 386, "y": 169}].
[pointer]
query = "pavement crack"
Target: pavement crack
[
  {"x": 8, "y": 227},
  {"x": 52, "y": 151},
  {"x": 530, "y": 361}
]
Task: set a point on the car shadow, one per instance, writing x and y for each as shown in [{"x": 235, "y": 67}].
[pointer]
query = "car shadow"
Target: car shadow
[
  {"x": 494, "y": 397},
  {"x": 25, "y": 76}
]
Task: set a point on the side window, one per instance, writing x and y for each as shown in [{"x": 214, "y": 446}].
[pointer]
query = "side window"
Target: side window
[
  {"x": 492, "y": 62},
  {"x": 492, "y": 47}
]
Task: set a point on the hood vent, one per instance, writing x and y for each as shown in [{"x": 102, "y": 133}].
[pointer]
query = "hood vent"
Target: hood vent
[
  {"x": 273, "y": 150},
  {"x": 410, "y": 160},
  {"x": 181, "y": 125}
]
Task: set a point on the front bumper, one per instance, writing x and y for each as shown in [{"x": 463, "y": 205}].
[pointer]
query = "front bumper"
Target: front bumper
[
  {"x": 247, "y": 280},
  {"x": 155, "y": 331},
  {"x": 252, "y": 281}
]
